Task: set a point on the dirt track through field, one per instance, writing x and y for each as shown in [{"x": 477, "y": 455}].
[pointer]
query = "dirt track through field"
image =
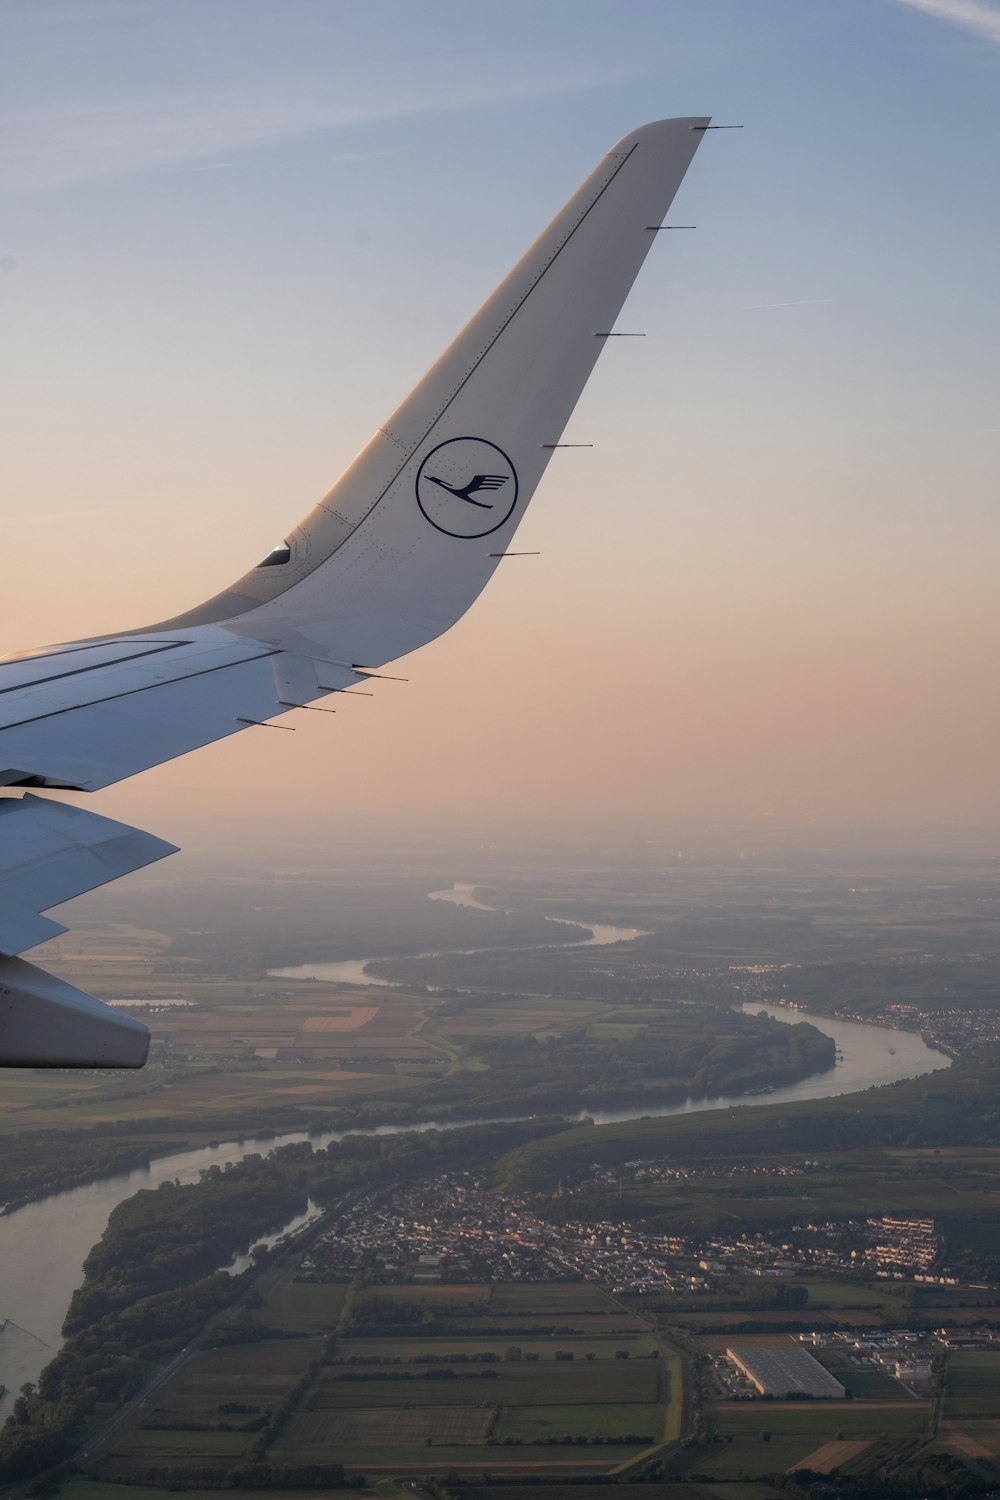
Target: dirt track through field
[
  {"x": 352, "y": 1020},
  {"x": 963, "y": 1442},
  {"x": 831, "y": 1455}
]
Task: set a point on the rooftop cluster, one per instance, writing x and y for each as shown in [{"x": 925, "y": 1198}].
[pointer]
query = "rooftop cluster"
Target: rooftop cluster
[{"x": 454, "y": 1228}]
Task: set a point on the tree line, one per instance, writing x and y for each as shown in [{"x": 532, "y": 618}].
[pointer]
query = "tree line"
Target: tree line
[{"x": 152, "y": 1282}]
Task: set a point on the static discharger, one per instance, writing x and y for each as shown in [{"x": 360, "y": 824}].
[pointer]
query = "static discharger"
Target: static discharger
[
  {"x": 263, "y": 724},
  {"x": 353, "y": 666},
  {"x": 655, "y": 228},
  {"x": 567, "y": 445},
  {"x": 619, "y": 335},
  {"x": 716, "y": 127},
  {"x": 513, "y": 554},
  {"x": 308, "y": 706}
]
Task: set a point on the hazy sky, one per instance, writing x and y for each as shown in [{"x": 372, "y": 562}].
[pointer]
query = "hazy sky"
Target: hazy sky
[{"x": 234, "y": 234}]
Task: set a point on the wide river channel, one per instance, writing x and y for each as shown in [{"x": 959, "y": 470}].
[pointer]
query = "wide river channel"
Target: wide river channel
[{"x": 44, "y": 1244}]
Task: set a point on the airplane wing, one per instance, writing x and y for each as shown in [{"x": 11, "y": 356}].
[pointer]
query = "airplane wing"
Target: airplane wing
[{"x": 388, "y": 560}]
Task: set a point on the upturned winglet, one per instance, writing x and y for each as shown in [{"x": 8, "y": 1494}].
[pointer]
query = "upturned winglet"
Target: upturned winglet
[{"x": 390, "y": 558}]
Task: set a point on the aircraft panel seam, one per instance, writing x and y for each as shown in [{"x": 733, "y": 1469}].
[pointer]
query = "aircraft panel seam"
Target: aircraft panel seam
[
  {"x": 147, "y": 687},
  {"x": 96, "y": 666}
]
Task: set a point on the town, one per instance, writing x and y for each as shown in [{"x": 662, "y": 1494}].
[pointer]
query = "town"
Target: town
[
  {"x": 953, "y": 1029},
  {"x": 455, "y": 1229}
]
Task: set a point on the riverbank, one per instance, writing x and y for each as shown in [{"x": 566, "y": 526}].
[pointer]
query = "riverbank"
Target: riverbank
[
  {"x": 359, "y": 1063},
  {"x": 383, "y": 972},
  {"x": 43, "y": 1245}
]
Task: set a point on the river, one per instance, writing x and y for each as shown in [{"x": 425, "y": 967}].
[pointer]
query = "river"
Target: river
[
  {"x": 359, "y": 971},
  {"x": 43, "y": 1245}
]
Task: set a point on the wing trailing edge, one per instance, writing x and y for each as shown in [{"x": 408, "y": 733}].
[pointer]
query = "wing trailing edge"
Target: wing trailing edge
[{"x": 51, "y": 852}]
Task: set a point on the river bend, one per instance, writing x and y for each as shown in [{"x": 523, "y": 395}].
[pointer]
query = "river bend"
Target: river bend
[{"x": 43, "y": 1245}]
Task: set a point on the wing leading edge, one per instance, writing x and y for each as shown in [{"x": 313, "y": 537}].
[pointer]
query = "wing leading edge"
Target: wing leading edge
[{"x": 396, "y": 552}]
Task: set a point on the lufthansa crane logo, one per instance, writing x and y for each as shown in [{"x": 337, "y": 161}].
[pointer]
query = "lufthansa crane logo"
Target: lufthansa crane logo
[{"x": 467, "y": 487}]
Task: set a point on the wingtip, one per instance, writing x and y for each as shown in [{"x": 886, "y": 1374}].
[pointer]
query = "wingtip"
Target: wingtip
[{"x": 657, "y": 132}]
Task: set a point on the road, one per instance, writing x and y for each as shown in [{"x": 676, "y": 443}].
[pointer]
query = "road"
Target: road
[{"x": 125, "y": 1413}]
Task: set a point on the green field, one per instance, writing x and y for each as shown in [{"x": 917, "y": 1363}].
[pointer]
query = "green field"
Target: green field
[
  {"x": 772, "y": 1446},
  {"x": 961, "y": 1189},
  {"x": 866, "y": 1183},
  {"x": 93, "y": 1489},
  {"x": 584, "y": 1491},
  {"x": 842, "y": 1294},
  {"x": 258, "y": 1373},
  {"x": 609, "y": 1031},
  {"x": 733, "y": 1490},
  {"x": 972, "y": 1385},
  {"x": 151, "y": 1446},
  {"x": 822, "y": 1419},
  {"x": 536, "y": 1424},
  {"x": 304, "y": 1307},
  {"x": 974, "y": 1372},
  {"x": 730, "y": 1490},
  {"x": 872, "y": 1385},
  {"x": 333, "y": 1393},
  {"x": 294, "y": 1052},
  {"x": 751, "y": 1457},
  {"x": 421, "y": 1402},
  {"x": 785, "y": 1317},
  {"x": 440, "y": 1299},
  {"x": 257, "y": 1376},
  {"x": 450, "y": 1346},
  {"x": 504, "y": 1311},
  {"x": 569, "y": 1297},
  {"x": 500, "y": 1384},
  {"x": 317, "y": 1436},
  {"x": 610, "y": 1323}
]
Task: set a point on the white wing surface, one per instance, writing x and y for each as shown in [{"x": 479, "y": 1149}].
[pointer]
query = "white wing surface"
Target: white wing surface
[{"x": 395, "y": 553}]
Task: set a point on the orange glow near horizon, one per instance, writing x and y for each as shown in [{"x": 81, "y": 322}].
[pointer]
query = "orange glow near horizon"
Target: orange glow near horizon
[{"x": 769, "y": 589}]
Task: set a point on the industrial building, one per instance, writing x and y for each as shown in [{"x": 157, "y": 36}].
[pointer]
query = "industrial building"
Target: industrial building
[{"x": 785, "y": 1372}]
